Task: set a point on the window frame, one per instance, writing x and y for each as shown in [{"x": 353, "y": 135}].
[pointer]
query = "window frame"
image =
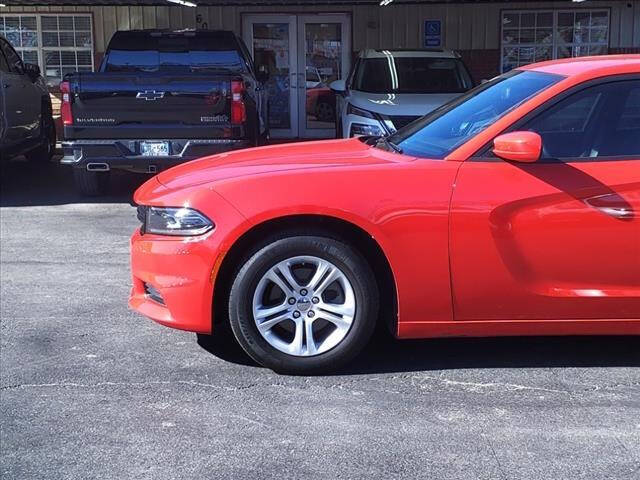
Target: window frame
[
  {"x": 485, "y": 153},
  {"x": 555, "y": 42},
  {"x": 41, "y": 49}
]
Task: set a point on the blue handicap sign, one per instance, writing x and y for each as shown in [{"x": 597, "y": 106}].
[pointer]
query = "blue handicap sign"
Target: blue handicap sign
[{"x": 432, "y": 33}]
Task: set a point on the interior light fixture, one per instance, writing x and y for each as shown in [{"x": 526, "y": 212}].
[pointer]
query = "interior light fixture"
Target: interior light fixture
[
  {"x": 384, "y": 3},
  {"x": 184, "y": 3}
]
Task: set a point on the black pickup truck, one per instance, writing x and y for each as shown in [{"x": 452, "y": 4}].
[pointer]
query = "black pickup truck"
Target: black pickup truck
[{"x": 161, "y": 98}]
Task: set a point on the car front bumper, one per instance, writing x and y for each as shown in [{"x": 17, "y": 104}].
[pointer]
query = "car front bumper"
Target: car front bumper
[
  {"x": 182, "y": 271},
  {"x": 103, "y": 155}
]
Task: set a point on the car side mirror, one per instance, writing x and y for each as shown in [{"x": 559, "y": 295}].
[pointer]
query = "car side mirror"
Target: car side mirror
[
  {"x": 338, "y": 86},
  {"x": 262, "y": 75},
  {"x": 32, "y": 71},
  {"x": 525, "y": 147}
]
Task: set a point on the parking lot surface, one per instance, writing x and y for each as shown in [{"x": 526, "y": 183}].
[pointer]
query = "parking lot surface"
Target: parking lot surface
[{"x": 91, "y": 390}]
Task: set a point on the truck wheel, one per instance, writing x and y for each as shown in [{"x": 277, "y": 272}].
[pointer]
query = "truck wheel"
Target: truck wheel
[
  {"x": 304, "y": 304},
  {"x": 44, "y": 153},
  {"x": 91, "y": 184}
]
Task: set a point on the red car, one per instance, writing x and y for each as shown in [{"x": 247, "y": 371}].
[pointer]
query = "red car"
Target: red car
[{"x": 513, "y": 210}]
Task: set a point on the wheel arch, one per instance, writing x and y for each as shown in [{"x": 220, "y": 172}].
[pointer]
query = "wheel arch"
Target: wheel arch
[{"x": 308, "y": 224}]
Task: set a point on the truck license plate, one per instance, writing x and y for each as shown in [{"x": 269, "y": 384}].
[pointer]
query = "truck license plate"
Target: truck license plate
[{"x": 154, "y": 149}]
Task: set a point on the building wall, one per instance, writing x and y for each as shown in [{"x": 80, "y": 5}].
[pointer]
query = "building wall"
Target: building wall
[
  {"x": 472, "y": 29},
  {"x": 466, "y": 26}
]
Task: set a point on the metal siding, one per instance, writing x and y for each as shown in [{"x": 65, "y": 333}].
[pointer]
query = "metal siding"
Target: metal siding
[
  {"x": 465, "y": 26},
  {"x": 110, "y": 24},
  {"x": 636, "y": 23},
  {"x": 149, "y": 18}
]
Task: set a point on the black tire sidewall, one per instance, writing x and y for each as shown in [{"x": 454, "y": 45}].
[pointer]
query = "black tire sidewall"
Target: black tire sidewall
[{"x": 352, "y": 264}]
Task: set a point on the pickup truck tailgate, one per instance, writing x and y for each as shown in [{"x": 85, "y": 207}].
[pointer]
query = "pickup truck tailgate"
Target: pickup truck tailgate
[{"x": 130, "y": 106}]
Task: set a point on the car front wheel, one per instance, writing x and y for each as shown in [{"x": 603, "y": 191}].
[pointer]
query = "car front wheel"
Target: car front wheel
[{"x": 304, "y": 304}]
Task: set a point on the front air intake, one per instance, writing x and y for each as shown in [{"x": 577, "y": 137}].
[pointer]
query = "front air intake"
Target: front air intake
[{"x": 153, "y": 293}]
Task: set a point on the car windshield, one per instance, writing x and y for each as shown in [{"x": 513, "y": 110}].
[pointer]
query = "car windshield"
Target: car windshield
[
  {"x": 406, "y": 74},
  {"x": 439, "y": 133},
  {"x": 173, "y": 54}
]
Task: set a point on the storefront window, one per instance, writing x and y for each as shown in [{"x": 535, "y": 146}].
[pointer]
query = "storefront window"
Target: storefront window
[
  {"x": 59, "y": 44},
  {"x": 536, "y": 35}
]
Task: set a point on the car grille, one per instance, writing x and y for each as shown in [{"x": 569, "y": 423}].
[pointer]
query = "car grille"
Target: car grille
[{"x": 400, "y": 121}]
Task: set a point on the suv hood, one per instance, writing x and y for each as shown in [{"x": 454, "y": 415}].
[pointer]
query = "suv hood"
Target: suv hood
[
  {"x": 400, "y": 104},
  {"x": 276, "y": 158}
]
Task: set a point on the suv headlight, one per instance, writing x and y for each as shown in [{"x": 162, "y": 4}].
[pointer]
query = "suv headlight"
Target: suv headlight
[
  {"x": 179, "y": 221},
  {"x": 351, "y": 110}
]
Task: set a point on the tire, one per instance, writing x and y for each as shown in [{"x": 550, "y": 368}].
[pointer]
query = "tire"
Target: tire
[
  {"x": 326, "y": 112},
  {"x": 91, "y": 184},
  {"x": 284, "y": 345},
  {"x": 44, "y": 153}
]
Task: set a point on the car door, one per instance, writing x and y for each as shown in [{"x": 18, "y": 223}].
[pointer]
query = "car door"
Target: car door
[
  {"x": 558, "y": 238},
  {"x": 4, "y": 70},
  {"x": 22, "y": 99}
]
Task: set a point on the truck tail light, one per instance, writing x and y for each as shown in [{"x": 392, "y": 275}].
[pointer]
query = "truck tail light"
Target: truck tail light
[
  {"x": 65, "y": 106},
  {"x": 238, "y": 109}
]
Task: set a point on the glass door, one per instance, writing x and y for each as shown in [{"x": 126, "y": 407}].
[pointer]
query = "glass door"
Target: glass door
[
  {"x": 324, "y": 51},
  {"x": 303, "y": 54},
  {"x": 273, "y": 41}
]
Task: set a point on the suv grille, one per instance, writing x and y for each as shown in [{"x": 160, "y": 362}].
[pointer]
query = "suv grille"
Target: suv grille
[{"x": 400, "y": 121}]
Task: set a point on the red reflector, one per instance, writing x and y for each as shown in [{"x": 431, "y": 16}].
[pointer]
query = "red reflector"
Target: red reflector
[
  {"x": 238, "y": 109},
  {"x": 65, "y": 106}
]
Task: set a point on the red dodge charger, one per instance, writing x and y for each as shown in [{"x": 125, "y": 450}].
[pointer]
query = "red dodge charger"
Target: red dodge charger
[{"x": 512, "y": 210}]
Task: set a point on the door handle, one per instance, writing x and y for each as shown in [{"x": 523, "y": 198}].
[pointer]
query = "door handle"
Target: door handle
[
  {"x": 303, "y": 83},
  {"x": 611, "y": 204},
  {"x": 291, "y": 84}
]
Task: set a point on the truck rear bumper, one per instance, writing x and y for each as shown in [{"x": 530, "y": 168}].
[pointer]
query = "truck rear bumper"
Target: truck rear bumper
[{"x": 103, "y": 155}]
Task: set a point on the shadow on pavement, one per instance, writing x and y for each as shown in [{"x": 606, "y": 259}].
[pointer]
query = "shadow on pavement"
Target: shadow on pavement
[
  {"x": 387, "y": 355},
  {"x": 24, "y": 183}
]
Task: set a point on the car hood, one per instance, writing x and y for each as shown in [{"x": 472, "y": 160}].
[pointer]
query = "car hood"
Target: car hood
[
  {"x": 400, "y": 104},
  {"x": 274, "y": 159}
]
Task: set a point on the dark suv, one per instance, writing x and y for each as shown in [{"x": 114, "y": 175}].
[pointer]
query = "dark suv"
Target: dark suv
[{"x": 24, "y": 102}]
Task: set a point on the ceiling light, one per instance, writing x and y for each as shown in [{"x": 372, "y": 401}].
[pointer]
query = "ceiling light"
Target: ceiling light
[
  {"x": 184, "y": 3},
  {"x": 384, "y": 3}
]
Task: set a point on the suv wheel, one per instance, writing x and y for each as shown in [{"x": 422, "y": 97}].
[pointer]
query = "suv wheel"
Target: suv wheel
[
  {"x": 91, "y": 184},
  {"x": 304, "y": 304}
]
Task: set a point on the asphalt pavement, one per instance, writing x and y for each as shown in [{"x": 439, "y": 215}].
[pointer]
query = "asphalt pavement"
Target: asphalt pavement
[{"x": 91, "y": 390}]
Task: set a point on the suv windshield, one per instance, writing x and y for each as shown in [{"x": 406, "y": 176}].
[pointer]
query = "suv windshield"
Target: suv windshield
[
  {"x": 446, "y": 128},
  {"x": 173, "y": 53},
  {"x": 405, "y": 74}
]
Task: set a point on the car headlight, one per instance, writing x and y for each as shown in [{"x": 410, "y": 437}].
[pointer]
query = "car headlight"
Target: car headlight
[
  {"x": 351, "y": 110},
  {"x": 362, "y": 130},
  {"x": 178, "y": 221}
]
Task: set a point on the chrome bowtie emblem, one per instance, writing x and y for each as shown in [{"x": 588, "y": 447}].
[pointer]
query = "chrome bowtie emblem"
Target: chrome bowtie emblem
[{"x": 150, "y": 95}]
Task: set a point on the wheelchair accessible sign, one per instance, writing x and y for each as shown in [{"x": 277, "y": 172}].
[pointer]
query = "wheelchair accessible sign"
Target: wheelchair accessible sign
[{"x": 432, "y": 33}]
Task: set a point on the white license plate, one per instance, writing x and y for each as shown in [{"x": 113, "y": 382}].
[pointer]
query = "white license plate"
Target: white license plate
[{"x": 154, "y": 149}]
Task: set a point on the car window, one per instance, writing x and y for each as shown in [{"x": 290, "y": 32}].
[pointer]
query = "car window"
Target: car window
[
  {"x": 14, "y": 61},
  {"x": 599, "y": 121},
  {"x": 439, "y": 133},
  {"x": 141, "y": 52},
  {"x": 403, "y": 74}
]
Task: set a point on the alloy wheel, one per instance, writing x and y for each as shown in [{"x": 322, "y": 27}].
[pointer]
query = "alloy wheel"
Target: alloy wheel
[{"x": 304, "y": 306}]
